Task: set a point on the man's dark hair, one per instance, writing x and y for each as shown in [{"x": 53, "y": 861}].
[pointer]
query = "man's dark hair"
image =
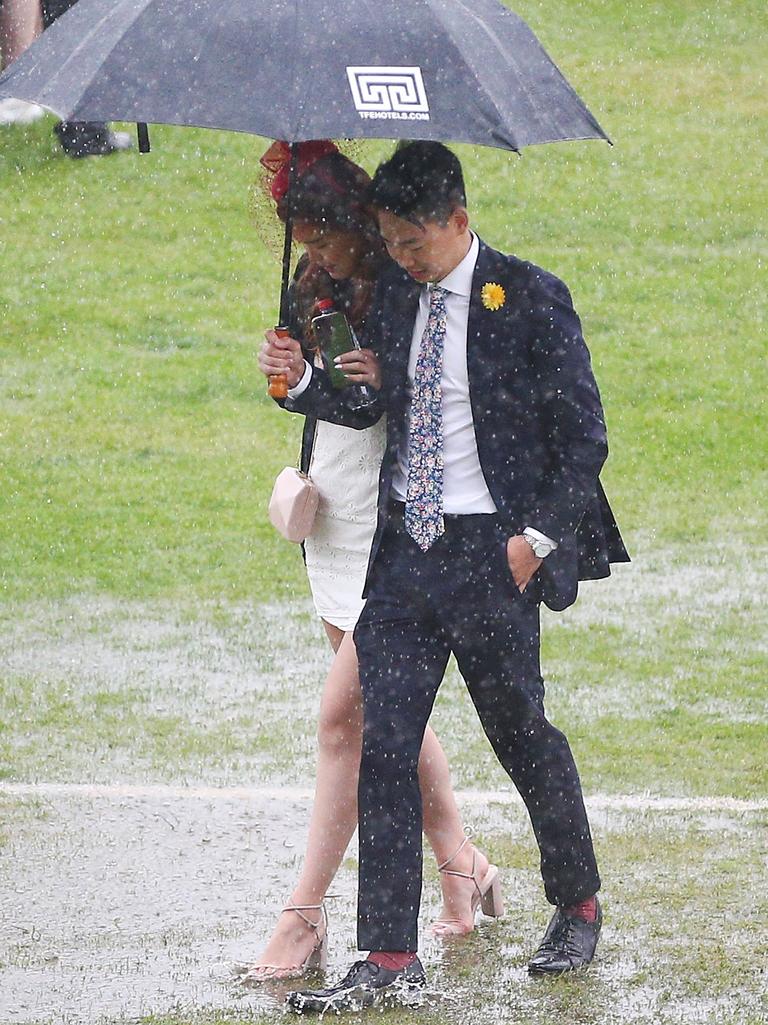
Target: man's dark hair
[{"x": 421, "y": 181}]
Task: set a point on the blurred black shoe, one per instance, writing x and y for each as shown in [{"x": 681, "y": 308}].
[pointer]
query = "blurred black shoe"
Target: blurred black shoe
[
  {"x": 364, "y": 985},
  {"x": 568, "y": 943},
  {"x": 90, "y": 138}
]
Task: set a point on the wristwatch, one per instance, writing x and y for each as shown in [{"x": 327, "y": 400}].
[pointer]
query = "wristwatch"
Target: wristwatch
[{"x": 541, "y": 547}]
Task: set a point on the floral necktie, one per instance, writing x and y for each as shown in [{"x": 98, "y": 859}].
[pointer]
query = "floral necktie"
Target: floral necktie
[{"x": 424, "y": 501}]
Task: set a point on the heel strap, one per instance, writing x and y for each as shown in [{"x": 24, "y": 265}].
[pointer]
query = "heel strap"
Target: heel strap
[
  {"x": 299, "y": 909},
  {"x": 469, "y": 833},
  {"x": 453, "y": 872},
  {"x": 464, "y": 875}
]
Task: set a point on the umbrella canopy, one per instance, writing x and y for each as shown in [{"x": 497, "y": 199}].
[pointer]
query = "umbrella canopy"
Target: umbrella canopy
[{"x": 460, "y": 70}]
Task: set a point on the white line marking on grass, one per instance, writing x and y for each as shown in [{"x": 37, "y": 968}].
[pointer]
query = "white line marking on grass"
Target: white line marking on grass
[{"x": 596, "y": 802}]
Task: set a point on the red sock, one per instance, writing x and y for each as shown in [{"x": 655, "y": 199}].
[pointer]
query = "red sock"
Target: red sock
[
  {"x": 586, "y": 910},
  {"x": 394, "y": 960}
]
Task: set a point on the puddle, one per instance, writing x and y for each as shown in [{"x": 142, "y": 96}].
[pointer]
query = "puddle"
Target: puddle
[
  {"x": 122, "y": 902},
  {"x": 126, "y": 906},
  {"x": 132, "y": 898}
]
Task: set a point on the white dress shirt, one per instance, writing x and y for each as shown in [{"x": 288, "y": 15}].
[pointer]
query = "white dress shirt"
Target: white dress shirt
[{"x": 464, "y": 486}]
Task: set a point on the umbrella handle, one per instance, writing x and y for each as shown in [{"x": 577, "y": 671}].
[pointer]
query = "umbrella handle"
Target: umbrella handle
[{"x": 278, "y": 383}]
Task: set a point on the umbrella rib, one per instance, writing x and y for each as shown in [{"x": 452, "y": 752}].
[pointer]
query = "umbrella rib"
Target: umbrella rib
[
  {"x": 458, "y": 42},
  {"x": 300, "y": 100},
  {"x": 493, "y": 39},
  {"x": 93, "y": 30},
  {"x": 301, "y": 59}
]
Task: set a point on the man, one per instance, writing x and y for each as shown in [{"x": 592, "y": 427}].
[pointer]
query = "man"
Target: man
[{"x": 489, "y": 504}]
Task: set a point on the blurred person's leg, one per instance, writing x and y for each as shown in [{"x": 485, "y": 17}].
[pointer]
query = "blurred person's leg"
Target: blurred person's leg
[
  {"x": 21, "y": 22},
  {"x": 52, "y": 9},
  {"x": 90, "y": 138}
]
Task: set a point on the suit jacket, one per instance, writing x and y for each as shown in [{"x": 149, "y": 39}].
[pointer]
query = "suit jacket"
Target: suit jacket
[{"x": 538, "y": 420}]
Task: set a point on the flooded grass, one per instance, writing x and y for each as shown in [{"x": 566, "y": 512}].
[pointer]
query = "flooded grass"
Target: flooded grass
[
  {"x": 136, "y": 908},
  {"x": 100, "y": 690},
  {"x": 105, "y": 689}
]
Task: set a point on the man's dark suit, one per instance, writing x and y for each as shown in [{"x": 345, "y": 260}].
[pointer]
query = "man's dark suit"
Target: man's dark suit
[{"x": 541, "y": 443}]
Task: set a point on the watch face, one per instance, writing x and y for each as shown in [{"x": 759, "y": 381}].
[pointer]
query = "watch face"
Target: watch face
[{"x": 539, "y": 548}]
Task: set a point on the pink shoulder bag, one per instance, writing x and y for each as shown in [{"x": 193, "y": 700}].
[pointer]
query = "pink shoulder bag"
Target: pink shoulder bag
[{"x": 293, "y": 505}]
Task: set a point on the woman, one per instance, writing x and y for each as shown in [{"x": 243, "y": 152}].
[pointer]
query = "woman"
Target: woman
[{"x": 343, "y": 255}]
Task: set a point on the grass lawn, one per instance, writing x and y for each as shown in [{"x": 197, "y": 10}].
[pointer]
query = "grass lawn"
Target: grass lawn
[
  {"x": 154, "y": 628},
  {"x": 137, "y": 440}
]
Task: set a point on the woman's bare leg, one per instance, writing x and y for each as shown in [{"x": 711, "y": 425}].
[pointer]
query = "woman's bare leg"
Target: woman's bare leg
[
  {"x": 335, "y": 635},
  {"x": 334, "y": 813},
  {"x": 445, "y": 833}
]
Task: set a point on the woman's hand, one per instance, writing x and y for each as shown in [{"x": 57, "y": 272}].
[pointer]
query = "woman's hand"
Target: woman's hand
[
  {"x": 282, "y": 356},
  {"x": 361, "y": 366}
]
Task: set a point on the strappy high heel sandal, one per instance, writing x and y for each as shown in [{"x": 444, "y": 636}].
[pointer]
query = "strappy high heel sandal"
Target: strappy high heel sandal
[
  {"x": 487, "y": 894},
  {"x": 316, "y": 961}
]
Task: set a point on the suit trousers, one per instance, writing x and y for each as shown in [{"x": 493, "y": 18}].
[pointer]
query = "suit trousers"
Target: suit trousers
[{"x": 459, "y": 597}]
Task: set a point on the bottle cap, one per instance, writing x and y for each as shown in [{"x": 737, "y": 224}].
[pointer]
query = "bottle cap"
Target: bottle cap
[{"x": 325, "y": 305}]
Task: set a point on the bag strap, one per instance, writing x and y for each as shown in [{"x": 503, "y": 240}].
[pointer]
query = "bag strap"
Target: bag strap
[
  {"x": 309, "y": 435},
  {"x": 308, "y": 444}
]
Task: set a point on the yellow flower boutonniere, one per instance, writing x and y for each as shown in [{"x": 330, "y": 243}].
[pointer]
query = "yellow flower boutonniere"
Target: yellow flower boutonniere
[{"x": 493, "y": 296}]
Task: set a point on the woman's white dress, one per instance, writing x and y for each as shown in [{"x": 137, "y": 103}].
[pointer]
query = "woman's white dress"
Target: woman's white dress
[{"x": 345, "y": 467}]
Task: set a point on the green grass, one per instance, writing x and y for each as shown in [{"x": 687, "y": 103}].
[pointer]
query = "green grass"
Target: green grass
[
  {"x": 137, "y": 442},
  {"x": 138, "y": 447}
]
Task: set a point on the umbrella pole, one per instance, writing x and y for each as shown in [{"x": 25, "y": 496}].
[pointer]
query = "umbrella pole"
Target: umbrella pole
[
  {"x": 278, "y": 383},
  {"x": 292, "y": 174}
]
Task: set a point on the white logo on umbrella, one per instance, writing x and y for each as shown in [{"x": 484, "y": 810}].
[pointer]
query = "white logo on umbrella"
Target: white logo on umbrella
[{"x": 389, "y": 93}]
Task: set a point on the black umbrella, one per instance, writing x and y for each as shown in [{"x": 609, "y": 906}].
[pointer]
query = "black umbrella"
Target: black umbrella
[{"x": 461, "y": 70}]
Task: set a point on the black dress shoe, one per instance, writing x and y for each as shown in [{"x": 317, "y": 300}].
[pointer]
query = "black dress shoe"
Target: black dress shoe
[
  {"x": 568, "y": 943},
  {"x": 364, "y": 985}
]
